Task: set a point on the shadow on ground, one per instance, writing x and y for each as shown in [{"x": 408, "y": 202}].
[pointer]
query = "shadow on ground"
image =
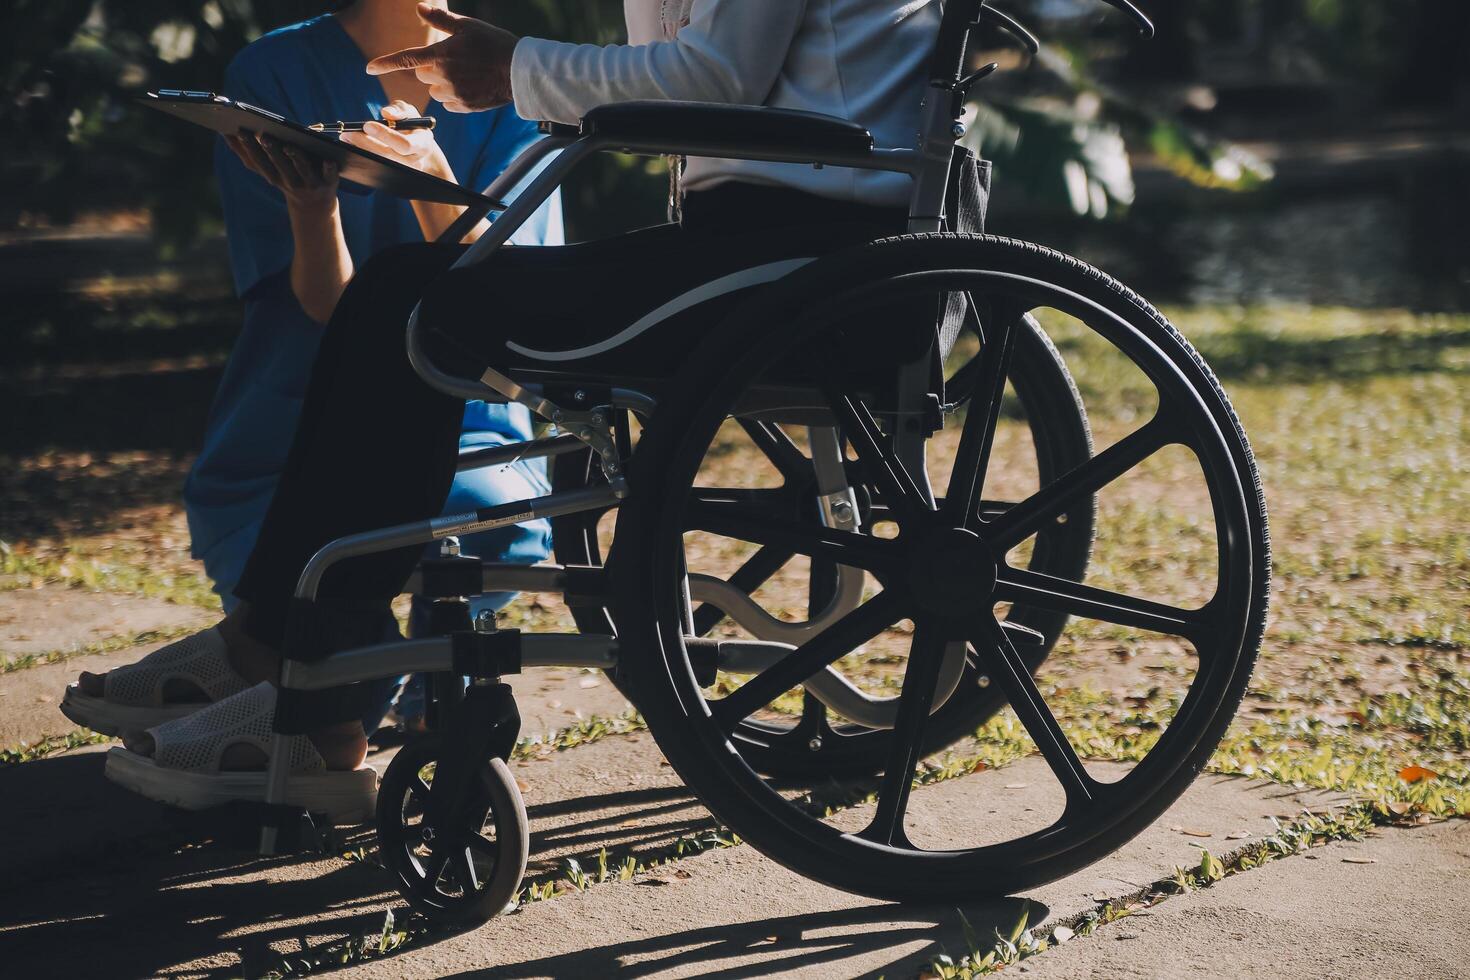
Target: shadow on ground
[
  {"x": 156, "y": 891},
  {"x": 784, "y": 943}
]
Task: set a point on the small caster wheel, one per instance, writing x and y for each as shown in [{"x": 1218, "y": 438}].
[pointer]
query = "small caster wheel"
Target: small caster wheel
[{"x": 459, "y": 875}]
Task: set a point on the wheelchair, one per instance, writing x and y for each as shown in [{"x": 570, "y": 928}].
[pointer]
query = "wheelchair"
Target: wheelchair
[{"x": 836, "y": 374}]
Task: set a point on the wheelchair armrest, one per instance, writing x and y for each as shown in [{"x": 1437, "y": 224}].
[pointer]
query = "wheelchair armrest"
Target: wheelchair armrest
[{"x": 716, "y": 129}]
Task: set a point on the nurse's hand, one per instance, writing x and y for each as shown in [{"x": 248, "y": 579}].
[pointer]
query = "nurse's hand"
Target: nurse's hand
[
  {"x": 308, "y": 185},
  {"x": 416, "y": 147},
  {"x": 468, "y": 71}
]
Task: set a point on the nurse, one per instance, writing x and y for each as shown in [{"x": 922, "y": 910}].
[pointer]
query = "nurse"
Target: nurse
[{"x": 295, "y": 237}]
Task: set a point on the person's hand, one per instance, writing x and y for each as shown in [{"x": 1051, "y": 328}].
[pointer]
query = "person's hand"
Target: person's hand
[
  {"x": 468, "y": 71},
  {"x": 308, "y": 184},
  {"x": 416, "y": 148}
]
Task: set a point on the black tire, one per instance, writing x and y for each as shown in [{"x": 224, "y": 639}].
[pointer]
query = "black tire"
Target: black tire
[
  {"x": 710, "y": 755},
  {"x": 1062, "y": 439},
  {"x": 498, "y": 865}
]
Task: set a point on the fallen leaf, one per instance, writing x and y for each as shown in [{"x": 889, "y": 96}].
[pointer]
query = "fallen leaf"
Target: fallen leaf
[
  {"x": 1017, "y": 785},
  {"x": 1187, "y": 832},
  {"x": 589, "y": 682},
  {"x": 1237, "y": 835},
  {"x": 1352, "y": 860},
  {"x": 1061, "y": 934},
  {"x": 1415, "y": 774}
]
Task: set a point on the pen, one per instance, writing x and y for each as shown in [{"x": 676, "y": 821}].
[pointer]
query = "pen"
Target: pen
[{"x": 415, "y": 122}]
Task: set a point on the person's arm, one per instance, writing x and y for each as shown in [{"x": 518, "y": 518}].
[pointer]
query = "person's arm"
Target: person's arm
[
  {"x": 321, "y": 265},
  {"x": 418, "y": 149},
  {"x": 731, "y": 51}
]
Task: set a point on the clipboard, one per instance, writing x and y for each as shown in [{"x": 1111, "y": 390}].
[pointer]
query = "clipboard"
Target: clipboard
[{"x": 226, "y": 116}]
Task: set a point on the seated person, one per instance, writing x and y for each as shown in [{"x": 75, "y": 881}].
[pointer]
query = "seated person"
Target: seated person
[
  {"x": 294, "y": 242},
  {"x": 864, "y": 60}
]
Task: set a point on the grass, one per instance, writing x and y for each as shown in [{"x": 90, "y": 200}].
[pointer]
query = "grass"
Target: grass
[
  {"x": 87, "y": 564},
  {"x": 111, "y": 644},
  {"x": 49, "y": 745}
]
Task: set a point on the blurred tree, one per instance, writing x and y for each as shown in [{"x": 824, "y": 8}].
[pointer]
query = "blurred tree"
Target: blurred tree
[{"x": 75, "y": 141}]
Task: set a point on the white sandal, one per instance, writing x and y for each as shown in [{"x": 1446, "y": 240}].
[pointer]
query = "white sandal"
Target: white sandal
[
  {"x": 132, "y": 696},
  {"x": 185, "y": 768}
]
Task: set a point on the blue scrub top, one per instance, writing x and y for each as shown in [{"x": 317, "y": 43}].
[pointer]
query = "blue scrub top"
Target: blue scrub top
[{"x": 308, "y": 72}]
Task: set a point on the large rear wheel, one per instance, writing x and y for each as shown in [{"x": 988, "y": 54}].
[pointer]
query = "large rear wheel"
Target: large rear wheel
[{"x": 943, "y": 572}]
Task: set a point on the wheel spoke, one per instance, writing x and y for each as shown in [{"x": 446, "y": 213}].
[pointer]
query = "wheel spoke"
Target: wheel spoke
[
  {"x": 837, "y": 640},
  {"x": 464, "y": 870},
  {"x": 916, "y": 700},
  {"x": 883, "y": 467},
  {"x": 779, "y": 448},
  {"x": 756, "y": 501},
  {"x": 1031, "y": 514},
  {"x": 972, "y": 459},
  {"x": 731, "y": 520},
  {"x": 989, "y": 509},
  {"x": 1006, "y": 665},
  {"x": 439, "y": 855},
  {"x": 1019, "y": 585},
  {"x": 747, "y": 578}
]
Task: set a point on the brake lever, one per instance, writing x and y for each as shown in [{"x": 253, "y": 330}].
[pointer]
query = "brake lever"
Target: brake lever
[
  {"x": 1145, "y": 26},
  {"x": 1011, "y": 26}
]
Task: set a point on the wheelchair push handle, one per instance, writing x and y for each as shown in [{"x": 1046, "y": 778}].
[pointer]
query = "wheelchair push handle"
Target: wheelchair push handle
[{"x": 962, "y": 16}]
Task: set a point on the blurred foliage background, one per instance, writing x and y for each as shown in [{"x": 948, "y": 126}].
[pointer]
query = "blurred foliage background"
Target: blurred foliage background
[{"x": 1064, "y": 127}]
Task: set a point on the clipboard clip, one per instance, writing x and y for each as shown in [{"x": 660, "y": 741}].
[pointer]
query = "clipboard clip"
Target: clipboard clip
[{"x": 188, "y": 95}]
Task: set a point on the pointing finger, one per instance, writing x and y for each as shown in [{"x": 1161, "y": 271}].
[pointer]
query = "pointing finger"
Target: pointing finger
[{"x": 405, "y": 59}]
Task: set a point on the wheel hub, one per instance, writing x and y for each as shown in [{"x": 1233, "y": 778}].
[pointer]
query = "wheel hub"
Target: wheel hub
[{"x": 952, "y": 573}]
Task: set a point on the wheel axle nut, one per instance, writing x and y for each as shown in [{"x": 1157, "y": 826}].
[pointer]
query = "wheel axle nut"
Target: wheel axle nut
[
  {"x": 428, "y": 834},
  {"x": 815, "y": 744},
  {"x": 984, "y": 680}
]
